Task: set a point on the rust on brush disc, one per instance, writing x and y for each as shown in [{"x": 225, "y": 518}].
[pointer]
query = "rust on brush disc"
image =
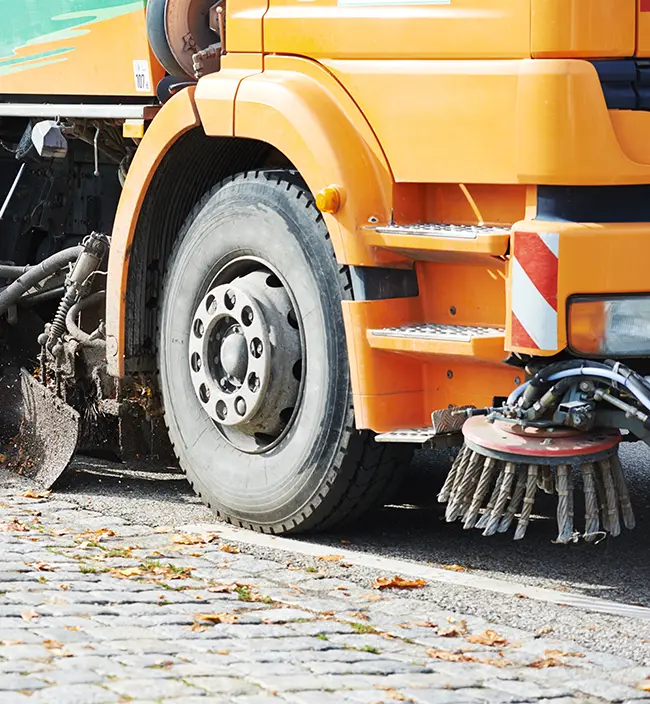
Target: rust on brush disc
[{"x": 514, "y": 443}]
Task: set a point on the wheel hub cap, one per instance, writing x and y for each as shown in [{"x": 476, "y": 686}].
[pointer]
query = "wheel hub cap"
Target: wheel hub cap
[{"x": 245, "y": 358}]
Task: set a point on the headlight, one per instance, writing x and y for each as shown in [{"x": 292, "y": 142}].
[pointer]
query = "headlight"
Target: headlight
[{"x": 611, "y": 327}]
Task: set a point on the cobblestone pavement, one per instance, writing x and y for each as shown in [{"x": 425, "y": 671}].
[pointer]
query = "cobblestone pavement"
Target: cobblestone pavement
[{"x": 95, "y": 609}]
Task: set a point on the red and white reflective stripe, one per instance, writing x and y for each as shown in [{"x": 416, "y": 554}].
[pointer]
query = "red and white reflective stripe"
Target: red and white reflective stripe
[{"x": 534, "y": 275}]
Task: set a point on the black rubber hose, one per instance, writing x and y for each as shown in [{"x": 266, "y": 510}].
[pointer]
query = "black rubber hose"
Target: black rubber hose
[
  {"x": 8, "y": 271},
  {"x": 10, "y": 295}
]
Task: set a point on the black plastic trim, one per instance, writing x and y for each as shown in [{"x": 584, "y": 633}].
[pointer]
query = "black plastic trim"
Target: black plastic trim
[{"x": 370, "y": 283}]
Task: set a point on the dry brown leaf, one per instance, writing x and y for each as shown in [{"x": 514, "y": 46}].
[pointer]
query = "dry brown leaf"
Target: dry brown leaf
[
  {"x": 487, "y": 637},
  {"x": 95, "y": 536},
  {"x": 456, "y": 629},
  {"x": 196, "y": 626},
  {"x": 563, "y": 654},
  {"x": 330, "y": 558},
  {"x": 65, "y": 587},
  {"x": 519, "y": 595},
  {"x": 36, "y": 494},
  {"x": 644, "y": 686},
  {"x": 217, "y": 618},
  {"x": 543, "y": 631},
  {"x": 41, "y": 566},
  {"x": 29, "y": 615},
  {"x": 3, "y": 458},
  {"x": 16, "y": 526},
  {"x": 11, "y": 642},
  {"x": 72, "y": 628},
  {"x": 397, "y": 582},
  {"x": 359, "y": 615},
  {"x": 425, "y": 624},
  {"x": 226, "y": 547},
  {"x": 186, "y": 539},
  {"x": 454, "y": 568},
  {"x": 223, "y": 652},
  {"x": 295, "y": 588},
  {"x": 449, "y": 656},
  {"x": 392, "y": 693}
]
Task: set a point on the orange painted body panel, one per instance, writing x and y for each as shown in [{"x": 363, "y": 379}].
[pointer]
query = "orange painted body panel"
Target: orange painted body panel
[
  {"x": 244, "y": 20},
  {"x": 94, "y": 58},
  {"x": 502, "y": 122},
  {"x": 177, "y": 117},
  {"x": 467, "y": 29},
  {"x": 597, "y": 29}
]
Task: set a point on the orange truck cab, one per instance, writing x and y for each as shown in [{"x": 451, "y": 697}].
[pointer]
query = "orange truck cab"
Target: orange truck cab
[{"x": 331, "y": 220}]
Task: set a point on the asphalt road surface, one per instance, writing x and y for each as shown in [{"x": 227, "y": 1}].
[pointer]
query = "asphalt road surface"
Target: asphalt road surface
[{"x": 413, "y": 529}]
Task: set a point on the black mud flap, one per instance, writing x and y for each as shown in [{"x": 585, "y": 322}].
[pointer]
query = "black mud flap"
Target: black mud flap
[{"x": 49, "y": 433}]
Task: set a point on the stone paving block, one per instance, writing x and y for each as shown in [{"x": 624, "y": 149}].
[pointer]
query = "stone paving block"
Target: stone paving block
[
  {"x": 365, "y": 667},
  {"x": 316, "y": 698},
  {"x": 609, "y": 691},
  {"x": 25, "y": 652},
  {"x": 436, "y": 696},
  {"x": 526, "y": 690},
  {"x": 15, "y": 698},
  {"x": 67, "y": 677},
  {"x": 152, "y": 688},
  {"x": 15, "y": 683},
  {"x": 73, "y": 694},
  {"x": 223, "y": 685}
]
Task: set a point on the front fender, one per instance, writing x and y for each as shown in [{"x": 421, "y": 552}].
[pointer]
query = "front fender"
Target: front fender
[
  {"x": 298, "y": 107},
  {"x": 177, "y": 117}
]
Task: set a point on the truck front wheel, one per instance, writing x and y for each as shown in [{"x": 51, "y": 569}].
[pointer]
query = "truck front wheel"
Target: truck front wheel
[{"x": 253, "y": 363}]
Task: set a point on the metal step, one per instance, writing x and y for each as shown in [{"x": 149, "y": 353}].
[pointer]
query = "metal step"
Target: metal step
[
  {"x": 434, "y": 331},
  {"x": 465, "y": 232},
  {"x": 439, "y": 242},
  {"x": 420, "y": 436},
  {"x": 435, "y": 339}
]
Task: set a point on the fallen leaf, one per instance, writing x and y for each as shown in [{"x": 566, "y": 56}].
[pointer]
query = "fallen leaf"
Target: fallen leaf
[
  {"x": 458, "y": 629},
  {"x": 29, "y": 615},
  {"x": 217, "y": 618},
  {"x": 11, "y": 642},
  {"x": 487, "y": 637},
  {"x": 16, "y": 526},
  {"x": 330, "y": 558},
  {"x": 222, "y": 588},
  {"x": 562, "y": 654},
  {"x": 72, "y": 628},
  {"x": 454, "y": 568},
  {"x": 449, "y": 656},
  {"x": 295, "y": 588},
  {"x": 359, "y": 615},
  {"x": 519, "y": 595},
  {"x": 3, "y": 458},
  {"x": 193, "y": 539},
  {"x": 35, "y": 494},
  {"x": 41, "y": 566},
  {"x": 543, "y": 631},
  {"x": 644, "y": 686},
  {"x": 223, "y": 652},
  {"x": 425, "y": 624},
  {"x": 398, "y": 583},
  {"x": 226, "y": 547}
]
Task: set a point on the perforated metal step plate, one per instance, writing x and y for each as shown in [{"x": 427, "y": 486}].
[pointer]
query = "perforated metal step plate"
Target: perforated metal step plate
[
  {"x": 421, "y": 436},
  {"x": 434, "y": 331},
  {"x": 465, "y": 232}
]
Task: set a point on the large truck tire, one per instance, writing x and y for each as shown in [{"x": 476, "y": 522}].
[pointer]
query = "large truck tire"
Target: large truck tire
[{"x": 254, "y": 368}]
